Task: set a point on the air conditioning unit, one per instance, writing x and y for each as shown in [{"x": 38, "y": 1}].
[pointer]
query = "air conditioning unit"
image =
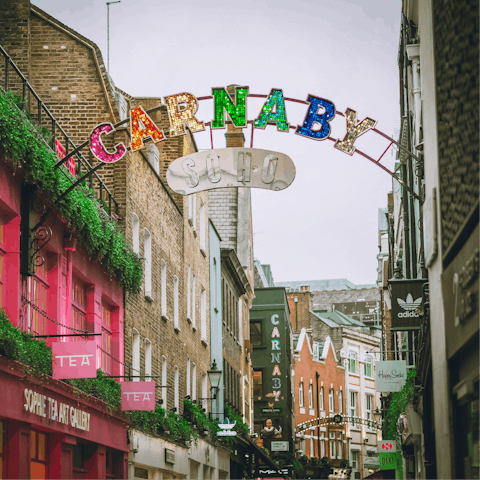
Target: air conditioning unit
[{"x": 134, "y": 444}]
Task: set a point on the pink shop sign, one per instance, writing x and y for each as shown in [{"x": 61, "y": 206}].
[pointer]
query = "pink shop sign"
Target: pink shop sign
[
  {"x": 74, "y": 359},
  {"x": 138, "y": 396}
]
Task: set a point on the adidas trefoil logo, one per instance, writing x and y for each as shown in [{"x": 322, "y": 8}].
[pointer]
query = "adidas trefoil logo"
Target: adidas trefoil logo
[
  {"x": 410, "y": 305},
  {"x": 226, "y": 428}
]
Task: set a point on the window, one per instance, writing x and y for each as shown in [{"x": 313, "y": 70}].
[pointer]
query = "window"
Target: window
[
  {"x": 352, "y": 362},
  {"x": 316, "y": 351},
  {"x": 37, "y": 295},
  {"x": 322, "y": 446},
  {"x": 368, "y": 367},
  {"x": 175, "y": 303},
  {"x": 332, "y": 445},
  {"x": 203, "y": 315},
  {"x": 368, "y": 407},
  {"x": 300, "y": 395},
  {"x": 148, "y": 359},
  {"x": 194, "y": 212},
  {"x": 331, "y": 400},
  {"x": 312, "y": 446},
  {"x": 339, "y": 449},
  {"x": 79, "y": 307},
  {"x": 106, "y": 360},
  {"x": 38, "y": 463},
  {"x": 354, "y": 459},
  {"x": 204, "y": 391},
  {"x": 194, "y": 301},
  {"x": 256, "y": 336},
  {"x": 188, "y": 377},
  {"x": 194, "y": 382},
  {"x": 240, "y": 319},
  {"x": 322, "y": 404},
  {"x": 340, "y": 402},
  {"x": 136, "y": 234},
  {"x": 164, "y": 289},
  {"x": 164, "y": 381},
  {"x": 257, "y": 384},
  {"x": 153, "y": 156},
  {"x": 202, "y": 226},
  {"x": 176, "y": 389},
  {"x": 136, "y": 354},
  {"x": 148, "y": 263},
  {"x": 310, "y": 396},
  {"x": 353, "y": 406},
  {"x": 189, "y": 294},
  {"x": 190, "y": 209},
  {"x": 214, "y": 284}
]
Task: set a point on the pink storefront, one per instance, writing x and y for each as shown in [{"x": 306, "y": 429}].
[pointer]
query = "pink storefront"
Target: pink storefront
[{"x": 67, "y": 293}]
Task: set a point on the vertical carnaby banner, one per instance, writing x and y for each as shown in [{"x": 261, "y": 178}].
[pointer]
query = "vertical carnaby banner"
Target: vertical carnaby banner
[
  {"x": 74, "y": 359},
  {"x": 138, "y": 396},
  {"x": 407, "y": 303}
]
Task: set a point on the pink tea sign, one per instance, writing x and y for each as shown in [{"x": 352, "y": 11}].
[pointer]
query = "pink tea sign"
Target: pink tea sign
[
  {"x": 138, "y": 395},
  {"x": 74, "y": 359}
]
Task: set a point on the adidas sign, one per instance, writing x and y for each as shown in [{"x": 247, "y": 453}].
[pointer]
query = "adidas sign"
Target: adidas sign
[{"x": 410, "y": 314}]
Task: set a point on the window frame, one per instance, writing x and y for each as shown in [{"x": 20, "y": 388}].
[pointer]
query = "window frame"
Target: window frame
[
  {"x": 310, "y": 396},
  {"x": 301, "y": 402},
  {"x": 331, "y": 400},
  {"x": 261, "y": 334},
  {"x": 352, "y": 362},
  {"x": 147, "y": 253},
  {"x": 176, "y": 314},
  {"x": 368, "y": 363},
  {"x": 163, "y": 289}
]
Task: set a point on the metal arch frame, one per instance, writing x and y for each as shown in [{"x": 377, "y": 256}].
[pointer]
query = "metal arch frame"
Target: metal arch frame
[
  {"x": 314, "y": 422},
  {"x": 363, "y": 154}
]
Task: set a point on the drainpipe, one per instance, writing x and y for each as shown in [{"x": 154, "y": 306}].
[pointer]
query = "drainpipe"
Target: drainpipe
[{"x": 296, "y": 314}]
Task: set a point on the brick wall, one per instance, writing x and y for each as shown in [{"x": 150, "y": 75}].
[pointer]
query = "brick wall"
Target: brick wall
[
  {"x": 457, "y": 65},
  {"x": 300, "y": 311}
]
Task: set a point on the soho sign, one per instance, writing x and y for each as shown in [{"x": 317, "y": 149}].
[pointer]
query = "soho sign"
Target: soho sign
[{"x": 182, "y": 109}]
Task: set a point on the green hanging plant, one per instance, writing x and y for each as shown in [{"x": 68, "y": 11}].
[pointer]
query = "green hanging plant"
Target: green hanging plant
[
  {"x": 398, "y": 405},
  {"x": 21, "y": 143}
]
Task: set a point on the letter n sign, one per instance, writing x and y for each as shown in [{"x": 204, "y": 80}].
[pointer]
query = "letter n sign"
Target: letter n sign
[{"x": 74, "y": 359}]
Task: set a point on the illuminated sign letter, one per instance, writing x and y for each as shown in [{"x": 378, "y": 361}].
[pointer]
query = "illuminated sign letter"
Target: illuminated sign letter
[
  {"x": 236, "y": 111},
  {"x": 213, "y": 168},
  {"x": 181, "y": 111},
  {"x": 273, "y": 111},
  {"x": 313, "y": 117},
  {"x": 276, "y": 357},
  {"x": 277, "y": 383},
  {"x": 354, "y": 130},
  {"x": 275, "y": 332},
  {"x": 98, "y": 148},
  {"x": 244, "y": 165},
  {"x": 274, "y": 319},
  {"x": 275, "y": 344},
  {"x": 276, "y": 370},
  {"x": 141, "y": 127},
  {"x": 269, "y": 168},
  {"x": 192, "y": 179}
]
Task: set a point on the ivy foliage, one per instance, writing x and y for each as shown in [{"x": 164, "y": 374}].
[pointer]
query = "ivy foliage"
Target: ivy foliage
[
  {"x": 22, "y": 346},
  {"x": 196, "y": 415},
  {"x": 398, "y": 405},
  {"x": 157, "y": 422},
  {"x": 22, "y": 144}
]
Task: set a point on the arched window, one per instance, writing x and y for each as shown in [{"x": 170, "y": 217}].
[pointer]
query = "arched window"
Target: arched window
[
  {"x": 136, "y": 355},
  {"x": 164, "y": 381},
  {"x": 300, "y": 395},
  {"x": 176, "y": 386},
  {"x": 176, "y": 319},
  {"x": 148, "y": 359},
  {"x": 148, "y": 263},
  {"x": 310, "y": 396},
  {"x": 164, "y": 289}
]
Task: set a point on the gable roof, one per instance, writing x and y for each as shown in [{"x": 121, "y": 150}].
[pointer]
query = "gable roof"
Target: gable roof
[
  {"x": 328, "y": 343},
  {"x": 301, "y": 338}
]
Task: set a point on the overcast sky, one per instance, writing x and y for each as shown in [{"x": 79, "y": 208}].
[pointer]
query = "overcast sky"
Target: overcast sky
[{"x": 324, "y": 225}]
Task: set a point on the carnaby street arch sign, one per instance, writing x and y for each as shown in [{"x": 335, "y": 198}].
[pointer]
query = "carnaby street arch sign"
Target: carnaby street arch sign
[{"x": 182, "y": 109}]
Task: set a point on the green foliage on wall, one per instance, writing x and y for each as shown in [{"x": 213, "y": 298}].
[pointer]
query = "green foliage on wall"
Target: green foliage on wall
[
  {"x": 398, "y": 405},
  {"x": 21, "y": 346},
  {"x": 21, "y": 143}
]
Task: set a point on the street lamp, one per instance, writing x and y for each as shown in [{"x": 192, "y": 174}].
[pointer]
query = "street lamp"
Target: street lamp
[{"x": 214, "y": 375}]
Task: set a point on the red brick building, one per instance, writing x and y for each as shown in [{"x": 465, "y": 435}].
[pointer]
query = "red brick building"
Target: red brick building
[{"x": 319, "y": 394}]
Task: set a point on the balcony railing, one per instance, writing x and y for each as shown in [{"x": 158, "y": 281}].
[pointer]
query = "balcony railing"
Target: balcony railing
[{"x": 12, "y": 79}]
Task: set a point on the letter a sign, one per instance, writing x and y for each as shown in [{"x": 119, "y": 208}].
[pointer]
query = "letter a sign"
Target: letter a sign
[{"x": 74, "y": 359}]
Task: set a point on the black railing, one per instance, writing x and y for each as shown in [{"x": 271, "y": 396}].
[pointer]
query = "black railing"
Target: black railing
[{"x": 39, "y": 114}]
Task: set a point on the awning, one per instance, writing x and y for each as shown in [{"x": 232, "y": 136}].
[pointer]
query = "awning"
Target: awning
[{"x": 264, "y": 457}]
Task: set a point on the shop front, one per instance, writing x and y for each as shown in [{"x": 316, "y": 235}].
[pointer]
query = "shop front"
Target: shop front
[
  {"x": 48, "y": 429},
  {"x": 460, "y": 284}
]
